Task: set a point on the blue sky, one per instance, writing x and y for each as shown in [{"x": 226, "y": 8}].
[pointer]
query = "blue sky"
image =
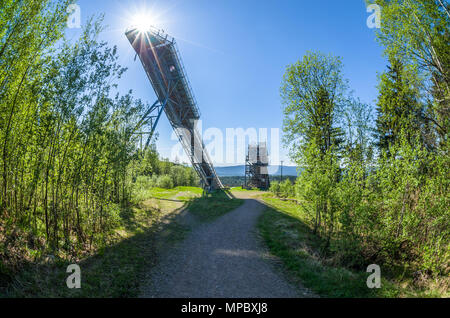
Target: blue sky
[{"x": 236, "y": 51}]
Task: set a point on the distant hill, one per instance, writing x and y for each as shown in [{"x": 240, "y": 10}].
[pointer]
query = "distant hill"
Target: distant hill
[{"x": 239, "y": 171}]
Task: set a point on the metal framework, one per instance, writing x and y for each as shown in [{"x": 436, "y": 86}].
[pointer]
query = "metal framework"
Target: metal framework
[
  {"x": 162, "y": 63},
  {"x": 256, "y": 167}
]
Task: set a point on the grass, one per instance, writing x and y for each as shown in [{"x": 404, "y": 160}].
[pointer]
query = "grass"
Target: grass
[
  {"x": 111, "y": 271},
  {"x": 169, "y": 193},
  {"x": 239, "y": 189},
  {"x": 117, "y": 269},
  {"x": 213, "y": 205},
  {"x": 288, "y": 236}
]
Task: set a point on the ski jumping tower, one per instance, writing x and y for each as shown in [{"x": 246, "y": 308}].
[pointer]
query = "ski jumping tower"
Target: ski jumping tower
[
  {"x": 256, "y": 167},
  {"x": 162, "y": 63}
]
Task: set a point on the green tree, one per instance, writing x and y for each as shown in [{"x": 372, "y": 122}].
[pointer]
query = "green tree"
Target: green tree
[
  {"x": 314, "y": 94},
  {"x": 65, "y": 142},
  {"x": 417, "y": 33},
  {"x": 399, "y": 108},
  {"x": 28, "y": 31}
]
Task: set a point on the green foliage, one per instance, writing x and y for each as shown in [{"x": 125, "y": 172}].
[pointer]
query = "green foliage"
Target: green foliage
[
  {"x": 417, "y": 33},
  {"x": 313, "y": 92},
  {"x": 398, "y": 105},
  {"x": 284, "y": 231},
  {"x": 414, "y": 190},
  {"x": 388, "y": 205},
  {"x": 287, "y": 233},
  {"x": 165, "y": 182},
  {"x": 275, "y": 188},
  {"x": 149, "y": 171},
  {"x": 183, "y": 176},
  {"x": 316, "y": 190},
  {"x": 283, "y": 189},
  {"x": 66, "y": 144},
  {"x": 287, "y": 188}
]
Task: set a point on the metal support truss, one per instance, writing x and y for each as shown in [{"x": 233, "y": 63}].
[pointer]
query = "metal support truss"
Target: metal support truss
[{"x": 151, "y": 119}]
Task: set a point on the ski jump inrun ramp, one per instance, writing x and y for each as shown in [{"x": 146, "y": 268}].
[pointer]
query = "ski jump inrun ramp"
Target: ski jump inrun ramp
[{"x": 162, "y": 63}]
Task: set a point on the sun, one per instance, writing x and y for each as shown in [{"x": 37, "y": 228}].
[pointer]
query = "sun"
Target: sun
[
  {"x": 143, "y": 22},
  {"x": 144, "y": 16}
]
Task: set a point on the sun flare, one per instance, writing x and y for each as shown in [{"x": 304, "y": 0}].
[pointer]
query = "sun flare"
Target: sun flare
[{"x": 143, "y": 22}]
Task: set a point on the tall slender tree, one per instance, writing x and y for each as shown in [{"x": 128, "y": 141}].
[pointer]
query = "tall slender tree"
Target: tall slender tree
[
  {"x": 399, "y": 107},
  {"x": 314, "y": 95}
]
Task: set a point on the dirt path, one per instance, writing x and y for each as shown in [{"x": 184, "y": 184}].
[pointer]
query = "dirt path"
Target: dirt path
[{"x": 224, "y": 258}]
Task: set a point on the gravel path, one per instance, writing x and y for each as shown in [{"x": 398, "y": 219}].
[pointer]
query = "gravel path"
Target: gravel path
[{"x": 224, "y": 258}]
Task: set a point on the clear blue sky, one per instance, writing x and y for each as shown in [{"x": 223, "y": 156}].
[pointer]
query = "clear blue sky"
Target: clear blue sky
[{"x": 236, "y": 51}]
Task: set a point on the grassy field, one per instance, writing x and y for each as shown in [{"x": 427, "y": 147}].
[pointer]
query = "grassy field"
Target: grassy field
[
  {"x": 213, "y": 205},
  {"x": 150, "y": 224},
  {"x": 284, "y": 228}
]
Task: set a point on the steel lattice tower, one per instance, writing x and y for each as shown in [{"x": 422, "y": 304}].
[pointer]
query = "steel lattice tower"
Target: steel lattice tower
[{"x": 256, "y": 167}]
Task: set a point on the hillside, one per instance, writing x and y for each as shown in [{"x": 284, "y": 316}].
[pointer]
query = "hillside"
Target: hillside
[{"x": 239, "y": 171}]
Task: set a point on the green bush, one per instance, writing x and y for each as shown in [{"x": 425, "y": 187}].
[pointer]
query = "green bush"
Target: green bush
[
  {"x": 287, "y": 189},
  {"x": 398, "y": 215},
  {"x": 145, "y": 182},
  {"x": 275, "y": 188},
  {"x": 284, "y": 189},
  {"x": 165, "y": 182},
  {"x": 183, "y": 176}
]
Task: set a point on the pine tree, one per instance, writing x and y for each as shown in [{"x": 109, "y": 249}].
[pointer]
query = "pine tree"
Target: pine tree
[
  {"x": 417, "y": 32},
  {"x": 399, "y": 109}
]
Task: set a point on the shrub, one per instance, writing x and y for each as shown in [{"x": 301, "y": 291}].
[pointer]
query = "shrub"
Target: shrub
[
  {"x": 287, "y": 189},
  {"x": 275, "y": 188},
  {"x": 165, "y": 182}
]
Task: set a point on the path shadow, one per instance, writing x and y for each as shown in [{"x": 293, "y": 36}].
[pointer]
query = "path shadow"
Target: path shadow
[
  {"x": 164, "y": 199},
  {"x": 212, "y": 205},
  {"x": 310, "y": 260},
  {"x": 229, "y": 193},
  {"x": 117, "y": 270}
]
